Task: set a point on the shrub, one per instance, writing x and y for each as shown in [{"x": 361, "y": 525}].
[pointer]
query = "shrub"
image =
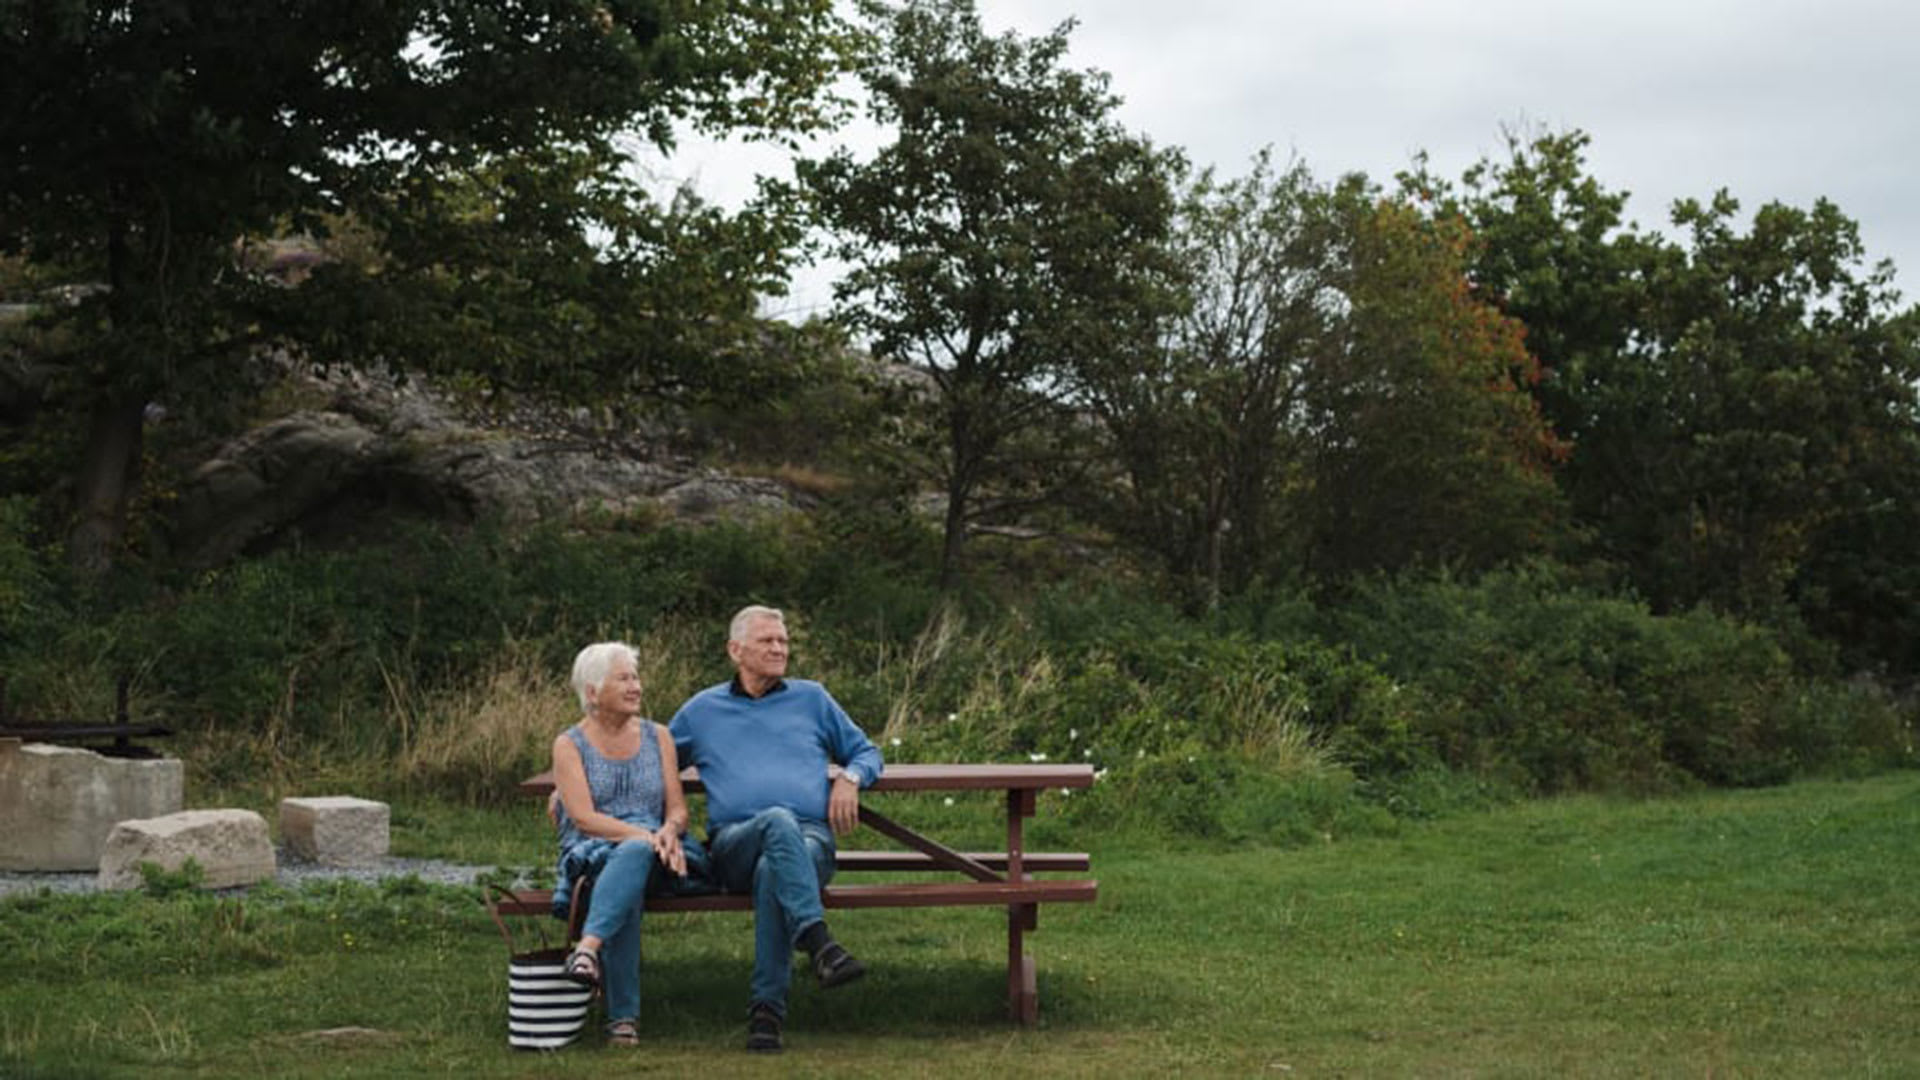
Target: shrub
[{"x": 1555, "y": 688}]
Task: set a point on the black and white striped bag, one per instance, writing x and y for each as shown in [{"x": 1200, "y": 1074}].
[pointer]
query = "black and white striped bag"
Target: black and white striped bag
[{"x": 545, "y": 1009}]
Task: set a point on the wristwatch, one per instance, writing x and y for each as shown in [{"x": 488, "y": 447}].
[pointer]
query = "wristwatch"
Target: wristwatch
[{"x": 854, "y": 775}]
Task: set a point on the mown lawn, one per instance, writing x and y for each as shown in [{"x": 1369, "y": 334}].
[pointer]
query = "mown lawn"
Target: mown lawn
[{"x": 1756, "y": 933}]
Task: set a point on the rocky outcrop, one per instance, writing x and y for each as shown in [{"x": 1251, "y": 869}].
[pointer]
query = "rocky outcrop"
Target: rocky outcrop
[{"x": 369, "y": 446}]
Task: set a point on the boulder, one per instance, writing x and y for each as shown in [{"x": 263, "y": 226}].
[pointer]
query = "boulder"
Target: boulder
[
  {"x": 335, "y": 830},
  {"x": 231, "y": 846},
  {"x": 58, "y": 803}
]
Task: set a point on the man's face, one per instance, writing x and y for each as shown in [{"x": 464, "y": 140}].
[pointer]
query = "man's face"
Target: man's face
[{"x": 762, "y": 656}]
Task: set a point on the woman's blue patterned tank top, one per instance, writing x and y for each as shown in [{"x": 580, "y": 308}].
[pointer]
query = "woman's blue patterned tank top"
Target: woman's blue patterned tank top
[{"x": 629, "y": 789}]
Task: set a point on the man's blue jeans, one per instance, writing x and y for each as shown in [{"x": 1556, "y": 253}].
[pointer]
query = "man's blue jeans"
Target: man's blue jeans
[{"x": 784, "y": 860}]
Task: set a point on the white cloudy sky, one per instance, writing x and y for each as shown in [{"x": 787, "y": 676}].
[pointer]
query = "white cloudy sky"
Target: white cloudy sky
[{"x": 1774, "y": 100}]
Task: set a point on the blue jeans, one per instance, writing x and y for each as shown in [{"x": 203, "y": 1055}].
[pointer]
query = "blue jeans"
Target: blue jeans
[
  {"x": 784, "y": 860},
  {"x": 631, "y": 873}
]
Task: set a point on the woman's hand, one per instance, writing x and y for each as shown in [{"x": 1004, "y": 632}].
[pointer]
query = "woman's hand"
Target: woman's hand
[{"x": 666, "y": 844}]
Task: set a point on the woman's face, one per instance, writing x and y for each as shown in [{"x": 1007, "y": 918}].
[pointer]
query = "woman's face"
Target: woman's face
[{"x": 619, "y": 694}]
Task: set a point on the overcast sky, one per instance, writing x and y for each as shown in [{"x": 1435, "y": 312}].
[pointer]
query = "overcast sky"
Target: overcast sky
[{"x": 1774, "y": 100}]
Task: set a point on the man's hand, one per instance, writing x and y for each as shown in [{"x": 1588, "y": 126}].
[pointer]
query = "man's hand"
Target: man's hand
[{"x": 843, "y": 805}]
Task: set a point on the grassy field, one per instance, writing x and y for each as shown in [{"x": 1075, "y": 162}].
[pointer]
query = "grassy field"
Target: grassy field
[{"x": 1770, "y": 932}]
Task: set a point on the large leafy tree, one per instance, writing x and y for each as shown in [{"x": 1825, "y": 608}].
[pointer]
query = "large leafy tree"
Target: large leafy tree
[
  {"x": 1428, "y": 448},
  {"x": 1006, "y": 234},
  {"x": 475, "y": 153},
  {"x": 1789, "y": 389},
  {"x": 1741, "y": 404},
  {"x": 1209, "y": 421},
  {"x": 1332, "y": 397}
]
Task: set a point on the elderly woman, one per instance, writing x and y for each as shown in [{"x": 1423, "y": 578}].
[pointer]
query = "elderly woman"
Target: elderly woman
[{"x": 622, "y": 817}]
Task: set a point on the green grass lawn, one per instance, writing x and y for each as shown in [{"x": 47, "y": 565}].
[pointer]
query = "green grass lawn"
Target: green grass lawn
[{"x": 1757, "y": 933}]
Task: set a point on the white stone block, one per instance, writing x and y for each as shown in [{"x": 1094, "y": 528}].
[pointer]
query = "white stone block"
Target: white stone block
[
  {"x": 58, "y": 803},
  {"x": 231, "y": 846},
  {"x": 335, "y": 830}
]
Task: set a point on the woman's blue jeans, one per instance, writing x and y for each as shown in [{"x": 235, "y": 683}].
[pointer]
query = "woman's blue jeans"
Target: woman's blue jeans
[
  {"x": 631, "y": 873},
  {"x": 784, "y": 860}
]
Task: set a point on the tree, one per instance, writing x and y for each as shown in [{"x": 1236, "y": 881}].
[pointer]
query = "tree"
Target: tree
[
  {"x": 477, "y": 146},
  {"x": 1741, "y": 406},
  {"x": 1333, "y": 398},
  {"x": 1428, "y": 448},
  {"x": 1788, "y": 385},
  {"x": 1209, "y": 422},
  {"x": 1006, "y": 234}
]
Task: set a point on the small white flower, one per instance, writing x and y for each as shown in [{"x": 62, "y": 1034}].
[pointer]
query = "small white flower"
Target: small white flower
[
  {"x": 1099, "y": 774},
  {"x": 1036, "y": 757},
  {"x": 952, "y": 716},
  {"x": 1087, "y": 753},
  {"x": 949, "y": 800},
  {"x": 1140, "y": 753},
  {"x": 896, "y": 740},
  {"x": 1072, "y": 734}
]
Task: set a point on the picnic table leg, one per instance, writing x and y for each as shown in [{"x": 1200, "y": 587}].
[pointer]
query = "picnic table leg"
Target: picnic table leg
[{"x": 1023, "y": 990}]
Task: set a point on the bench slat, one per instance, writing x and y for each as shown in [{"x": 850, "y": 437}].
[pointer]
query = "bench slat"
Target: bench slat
[
  {"x": 913, "y": 894},
  {"x": 1033, "y": 861}
]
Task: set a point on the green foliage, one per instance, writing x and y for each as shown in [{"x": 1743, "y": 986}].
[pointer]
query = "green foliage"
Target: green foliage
[
  {"x": 1331, "y": 398},
  {"x": 458, "y": 173},
  {"x": 1006, "y": 234},
  {"x": 160, "y": 882},
  {"x": 1744, "y": 407},
  {"x": 1552, "y": 688}
]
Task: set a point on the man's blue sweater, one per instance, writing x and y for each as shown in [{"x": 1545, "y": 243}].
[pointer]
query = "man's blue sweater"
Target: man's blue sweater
[{"x": 773, "y": 750}]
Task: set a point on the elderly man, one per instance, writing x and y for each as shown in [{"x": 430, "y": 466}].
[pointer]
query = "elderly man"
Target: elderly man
[{"x": 763, "y": 744}]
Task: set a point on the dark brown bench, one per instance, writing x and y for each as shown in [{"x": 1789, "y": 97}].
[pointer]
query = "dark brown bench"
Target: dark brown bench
[{"x": 992, "y": 879}]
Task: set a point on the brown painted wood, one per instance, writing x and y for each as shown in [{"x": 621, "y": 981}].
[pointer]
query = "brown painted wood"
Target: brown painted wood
[
  {"x": 938, "y": 853},
  {"x": 1034, "y": 861},
  {"x": 926, "y": 777},
  {"x": 1019, "y": 895}
]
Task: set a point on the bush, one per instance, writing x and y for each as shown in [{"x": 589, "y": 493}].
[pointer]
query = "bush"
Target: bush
[{"x": 1554, "y": 688}]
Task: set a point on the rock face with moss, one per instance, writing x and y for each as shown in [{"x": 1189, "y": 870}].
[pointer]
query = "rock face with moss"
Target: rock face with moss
[{"x": 362, "y": 448}]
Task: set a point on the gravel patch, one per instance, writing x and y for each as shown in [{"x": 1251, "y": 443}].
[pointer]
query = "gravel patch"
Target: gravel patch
[{"x": 290, "y": 872}]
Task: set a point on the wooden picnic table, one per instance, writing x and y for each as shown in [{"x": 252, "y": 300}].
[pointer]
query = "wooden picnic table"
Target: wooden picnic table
[{"x": 997, "y": 878}]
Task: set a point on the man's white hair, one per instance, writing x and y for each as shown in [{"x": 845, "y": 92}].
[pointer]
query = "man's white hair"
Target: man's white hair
[
  {"x": 591, "y": 667},
  {"x": 737, "y": 630}
]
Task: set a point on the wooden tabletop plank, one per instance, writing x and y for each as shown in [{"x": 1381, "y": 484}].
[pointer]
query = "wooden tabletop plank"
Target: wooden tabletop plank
[{"x": 921, "y": 777}]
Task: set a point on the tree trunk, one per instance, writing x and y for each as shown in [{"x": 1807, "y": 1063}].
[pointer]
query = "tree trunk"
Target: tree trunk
[
  {"x": 956, "y": 535},
  {"x": 108, "y": 471}
]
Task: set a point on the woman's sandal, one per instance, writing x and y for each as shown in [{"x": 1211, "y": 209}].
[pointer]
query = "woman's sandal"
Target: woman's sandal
[
  {"x": 583, "y": 967},
  {"x": 623, "y": 1033}
]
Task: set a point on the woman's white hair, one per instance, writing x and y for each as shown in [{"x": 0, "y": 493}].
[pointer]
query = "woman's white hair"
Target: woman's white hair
[
  {"x": 590, "y": 668},
  {"x": 737, "y": 630}
]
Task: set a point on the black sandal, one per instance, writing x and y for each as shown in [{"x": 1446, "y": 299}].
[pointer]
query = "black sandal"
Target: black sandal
[{"x": 583, "y": 967}]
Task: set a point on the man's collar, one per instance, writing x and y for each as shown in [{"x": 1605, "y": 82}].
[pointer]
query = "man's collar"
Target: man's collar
[{"x": 739, "y": 689}]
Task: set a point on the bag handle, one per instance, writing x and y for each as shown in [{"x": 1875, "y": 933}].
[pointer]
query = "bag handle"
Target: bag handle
[{"x": 492, "y": 894}]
